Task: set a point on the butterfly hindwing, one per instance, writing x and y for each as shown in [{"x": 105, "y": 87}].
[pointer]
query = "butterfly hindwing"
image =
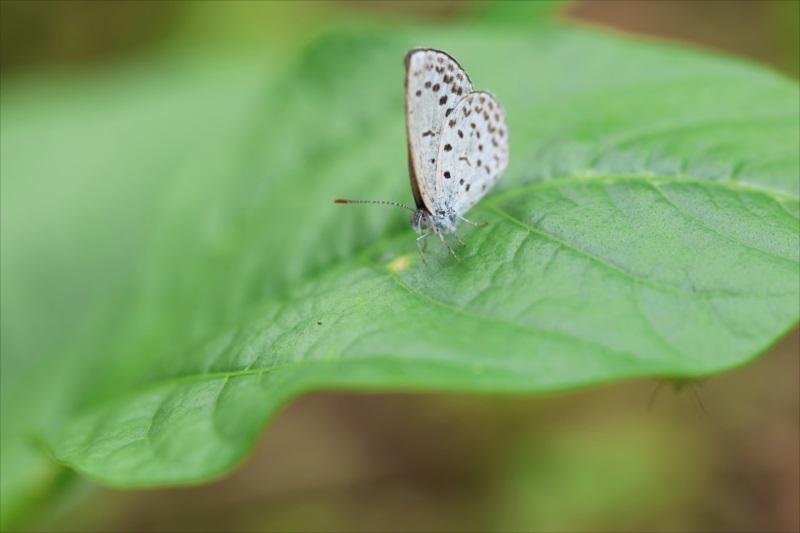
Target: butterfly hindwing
[{"x": 473, "y": 152}]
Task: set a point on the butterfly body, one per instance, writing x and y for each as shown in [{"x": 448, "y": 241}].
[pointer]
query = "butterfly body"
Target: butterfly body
[
  {"x": 457, "y": 143},
  {"x": 423, "y": 221}
]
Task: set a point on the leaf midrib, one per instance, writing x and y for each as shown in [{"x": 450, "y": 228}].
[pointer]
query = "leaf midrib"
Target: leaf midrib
[
  {"x": 635, "y": 279},
  {"x": 492, "y": 202},
  {"x": 611, "y": 178}
]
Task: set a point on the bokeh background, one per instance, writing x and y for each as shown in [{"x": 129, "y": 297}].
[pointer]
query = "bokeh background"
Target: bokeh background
[{"x": 721, "y": 455}]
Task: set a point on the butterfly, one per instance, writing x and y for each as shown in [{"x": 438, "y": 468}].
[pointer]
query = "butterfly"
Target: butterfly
[{"x": 457, "y": 144}]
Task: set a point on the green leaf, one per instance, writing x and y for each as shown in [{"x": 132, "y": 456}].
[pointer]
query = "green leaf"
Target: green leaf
[
  {"x": 647, "y": 226},
  {"x": 519, "y": 14}
]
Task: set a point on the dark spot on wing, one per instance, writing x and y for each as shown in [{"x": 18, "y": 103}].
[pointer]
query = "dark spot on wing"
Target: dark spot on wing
[
  {"x": 435, "y": 87},
  {"x": 419, "y": 93},
  {"x": 461, "y": 181},
  {"x": 448, "y": 79},
  {"x": 447, "y": 113},
  {"x": 451, "y": 123},
  {"x": 468, "y": 186},
  {"x": 443, "y": 100},
  {"x": 447, "y": 147},
  {"x": 487, "y": 169},
  {"x": 427, "y": 133},
  {"x": 460, "y": 134},
  {"x": 479, "y": 162},
  {"x": 427, "y": 85},
  {"x": 446, "y": 174},
  {"x": 480, "y": 148},
  {"x": 472, "y": 125}
]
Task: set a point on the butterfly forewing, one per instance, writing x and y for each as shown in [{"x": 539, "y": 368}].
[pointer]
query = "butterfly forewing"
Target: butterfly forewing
[
  {"x": 435, "y": 83},
  {"x": 473, "y": 152}
]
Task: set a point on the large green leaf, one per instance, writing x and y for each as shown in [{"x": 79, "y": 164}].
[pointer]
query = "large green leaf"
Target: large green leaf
[{"x": 647, "y": 226}]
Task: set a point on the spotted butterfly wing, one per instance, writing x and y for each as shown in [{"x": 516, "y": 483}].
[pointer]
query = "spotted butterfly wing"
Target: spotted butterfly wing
[
  {"x": 435, "y": 83},
  {"x": 473, "y": 153}
]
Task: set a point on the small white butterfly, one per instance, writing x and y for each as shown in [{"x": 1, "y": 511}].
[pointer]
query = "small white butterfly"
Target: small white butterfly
[{"x": 457, "y": 144}]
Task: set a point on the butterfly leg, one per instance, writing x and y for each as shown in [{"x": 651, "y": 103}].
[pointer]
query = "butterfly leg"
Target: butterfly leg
[
  {"x": 441, "y": 236},
  {"x": 654, "y": 395},
  {"x": 453, "y": 233},
  {"x": 477, "y": 224},
  {"x": 702, "y": 408},
  {"x": 421, "y": 254}
]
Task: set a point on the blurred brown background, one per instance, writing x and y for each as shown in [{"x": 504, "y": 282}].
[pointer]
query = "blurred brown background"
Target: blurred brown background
[
  {"x": 722, "y": 456},
  {"x": 63, "y": 33}
]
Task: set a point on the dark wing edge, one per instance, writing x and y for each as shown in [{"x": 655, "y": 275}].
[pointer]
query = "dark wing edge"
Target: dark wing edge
[{"x": 412, "y": 174}]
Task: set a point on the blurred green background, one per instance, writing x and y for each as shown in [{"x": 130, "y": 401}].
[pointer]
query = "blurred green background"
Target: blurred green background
[{"x": 607, "y": 459}]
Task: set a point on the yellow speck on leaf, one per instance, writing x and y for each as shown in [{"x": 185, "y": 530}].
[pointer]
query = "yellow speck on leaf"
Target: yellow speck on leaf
[{"x": 400, "y": 263}]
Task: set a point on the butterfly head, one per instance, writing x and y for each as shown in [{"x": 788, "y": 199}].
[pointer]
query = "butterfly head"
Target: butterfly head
[{"x": 421, "y": 221}]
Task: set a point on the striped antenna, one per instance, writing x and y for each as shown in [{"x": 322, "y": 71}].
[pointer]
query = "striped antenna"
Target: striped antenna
[{"x": 342, "y": 201}]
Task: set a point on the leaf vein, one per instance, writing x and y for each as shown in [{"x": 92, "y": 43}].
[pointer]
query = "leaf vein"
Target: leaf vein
[
  {"x": 717, "y": 230},
  {"x": 600, "y": 261}
]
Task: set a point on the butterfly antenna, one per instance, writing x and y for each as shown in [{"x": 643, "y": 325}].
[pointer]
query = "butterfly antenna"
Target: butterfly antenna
[{"x": 342, "y": 201}]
